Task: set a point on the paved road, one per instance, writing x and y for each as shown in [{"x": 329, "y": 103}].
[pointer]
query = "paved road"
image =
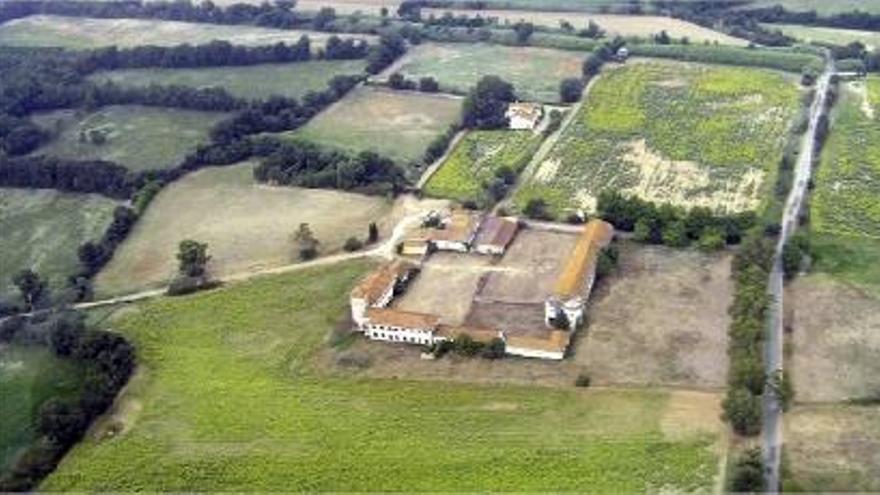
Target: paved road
[{"x": 772, "y": 409}]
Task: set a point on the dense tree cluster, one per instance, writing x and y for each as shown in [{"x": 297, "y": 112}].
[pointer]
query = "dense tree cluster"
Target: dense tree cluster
[
  {"x": 19, "y": 136},
  {"x": 93, "y": 255},
  {"x": 308, "y": 165},
  {"x": 88, "y": 176},
  {"x": 666, "y": 224},
  {"x": 390, "y": 47},
  {"x": 108, "y": 360},
  {"x": 486, "y": 104}
]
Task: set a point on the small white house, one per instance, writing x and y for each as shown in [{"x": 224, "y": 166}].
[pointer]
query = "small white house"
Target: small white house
[
  {"x": 524, "y": 116},
  {"x": 553, "y": 347},
  {"x": 391, "y": 325}
]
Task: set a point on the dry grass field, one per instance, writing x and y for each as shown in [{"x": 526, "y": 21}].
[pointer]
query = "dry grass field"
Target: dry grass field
[
  {"x": 836, "y": 338},
  {"x": 833, "y": 448},
  {"x": 398, "y": 124},
  {"x": 622, "y": 25},
  {"x": 247, "y": 226},
  {"x": 661, "y": 320},
  {"x": 137, "y": 137},
  {"x": 82, "y": 33}
]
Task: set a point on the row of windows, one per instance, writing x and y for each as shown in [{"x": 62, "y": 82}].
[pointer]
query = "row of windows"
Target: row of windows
[{"x": 398, "y": 338}]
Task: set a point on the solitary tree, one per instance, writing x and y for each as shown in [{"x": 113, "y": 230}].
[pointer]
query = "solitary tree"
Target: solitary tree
[
  {"x": 31, "y": 287},
  {"x": 192, "y": 257},
  {"x": 373, "y": 234},
  {"x": 592, "y": 65},
  {"x": 306, "y": 243},
  {"x": 523, "y": 31},
  {"x": 570, "y": 89}
]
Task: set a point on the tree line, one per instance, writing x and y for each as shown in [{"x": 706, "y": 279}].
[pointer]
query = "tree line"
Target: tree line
[{"x": 108, "y": 361}]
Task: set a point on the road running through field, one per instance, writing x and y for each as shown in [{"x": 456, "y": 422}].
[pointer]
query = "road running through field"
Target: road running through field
[{"x": 773, "y": 365}]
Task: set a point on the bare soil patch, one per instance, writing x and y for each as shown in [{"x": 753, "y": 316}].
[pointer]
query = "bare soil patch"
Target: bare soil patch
[
  {"x": 836, "y": 336},
  {"x": 533, "y": 263},
  {"x": 661, "y": 320}
]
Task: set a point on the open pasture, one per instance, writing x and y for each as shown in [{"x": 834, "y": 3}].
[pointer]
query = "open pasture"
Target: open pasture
[
  {"x": 476, "y": 159},
  {"x": 83, "y": 33},
  {"x": 225, "y": 400},
  {"x": 835, "y": 340},
  {"x": 247, "y": 226},
  {"x": 397, "y": 124},
  {"x": 833, "y": 448},
  {"x": 252, "y": 81},
  {"x": 668, "y": 132},
  {"x": 643, "y": 26},
  {"x": 29, "y": 375},
  {"x": 139, "y": 138},
  {"x": 846, "y": 200},
  {"x": 534, "y": 72},
  {"x": 870, "y": 39},
  {"x": 42, "y": 229}
]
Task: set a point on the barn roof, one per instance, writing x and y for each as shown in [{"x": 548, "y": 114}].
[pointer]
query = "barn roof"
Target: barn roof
[
  {"x": 374, "y": 285},
  {"x": 556, "y": 341},
  {"x": 582, "y": 260},
  {"x": 528, "y": 111},
  {"x": 479, "y": 334},
  {"x": 496, "y": 231},
  {"x": 459, "y": 227},
  {"x": 402, "y": 319}
]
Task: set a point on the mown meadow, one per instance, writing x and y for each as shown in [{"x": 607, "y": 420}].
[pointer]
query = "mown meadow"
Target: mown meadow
[
  {"x": 226, "y": 400},
  {"x": 140, "y": 138},
  {"x": 475, "y": 161},
  {"x": 42, "y": 229},
  {"x": 680, "y": 133},
  {"x": 253, "y": 81}
]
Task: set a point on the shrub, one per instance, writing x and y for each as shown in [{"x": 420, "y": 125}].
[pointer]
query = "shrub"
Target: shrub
[
  {"x": 570, "y": 90},
  {"x": 352, "y": 244},
  {"x": 494, "y": 349},
  {"x": 748, "y": 473},
  {"x": 537, "y": 209},
  {"x": 743, "y": 411},
  {"x": 582, "y": 380},
  {"x": 183, "y": 285}
]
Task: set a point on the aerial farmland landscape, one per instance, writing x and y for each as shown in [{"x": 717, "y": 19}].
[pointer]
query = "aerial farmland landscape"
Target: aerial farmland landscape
[{"x": 601, "y": 246}]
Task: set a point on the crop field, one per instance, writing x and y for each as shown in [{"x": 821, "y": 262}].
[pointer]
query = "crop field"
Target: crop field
[
  {"x": 833, "y": 448},
  {"x": 29, "y": 375},
  {"x": 247, "y": 226},
  {"x": 253, "y": 81},
  {"x": 397, "y": 124},
  {"x": 870, "y": 39},
  {"x": 614, "y": 25},
  {"x": 847, "y": 196},
  {"x": 679, "y": 133},
  {"x": 42, "y": 229},
  {"x": 82, "y": 33},
  {"x": 140, "y": 138},
  {"x": 476, "y": 159},
  {"x": 534, "y": 72},
  {"x": 189, "y": 422}
]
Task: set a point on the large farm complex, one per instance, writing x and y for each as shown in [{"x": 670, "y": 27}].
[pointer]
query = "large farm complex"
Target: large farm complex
[{"x": 439, "y": 246}]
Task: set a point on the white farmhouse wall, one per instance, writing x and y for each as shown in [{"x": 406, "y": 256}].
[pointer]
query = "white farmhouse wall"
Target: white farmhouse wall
[
  {"x": 397, "y": 334},
  {"x": 534, "y": 353}
]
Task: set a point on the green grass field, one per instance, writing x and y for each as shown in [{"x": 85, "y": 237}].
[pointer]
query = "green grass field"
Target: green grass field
[
  {"x": 836, "y": 36},
  {"x": 42, "y": 230},
  {"x": 534, "y": 72},
  {"x": 822, "y": 7},
  {"x": 397, "y": 124},
  {"x": 226, "y": 401},
  {"x": 253, "y": 81},
  {"x": 82, "y": 33},
  {"x": 475, "y": 160},
  {"x": 253, "y": 231},
  {"x": 686, "y": 134},
  {"x": 140, "y": 138},
  {"x": 29, "y": 375}
]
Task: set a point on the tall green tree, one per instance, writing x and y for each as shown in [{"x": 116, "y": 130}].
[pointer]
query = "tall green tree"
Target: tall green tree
[
  {"x": 31, "y": 287},
  {"x": 193, "y": 258}
]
